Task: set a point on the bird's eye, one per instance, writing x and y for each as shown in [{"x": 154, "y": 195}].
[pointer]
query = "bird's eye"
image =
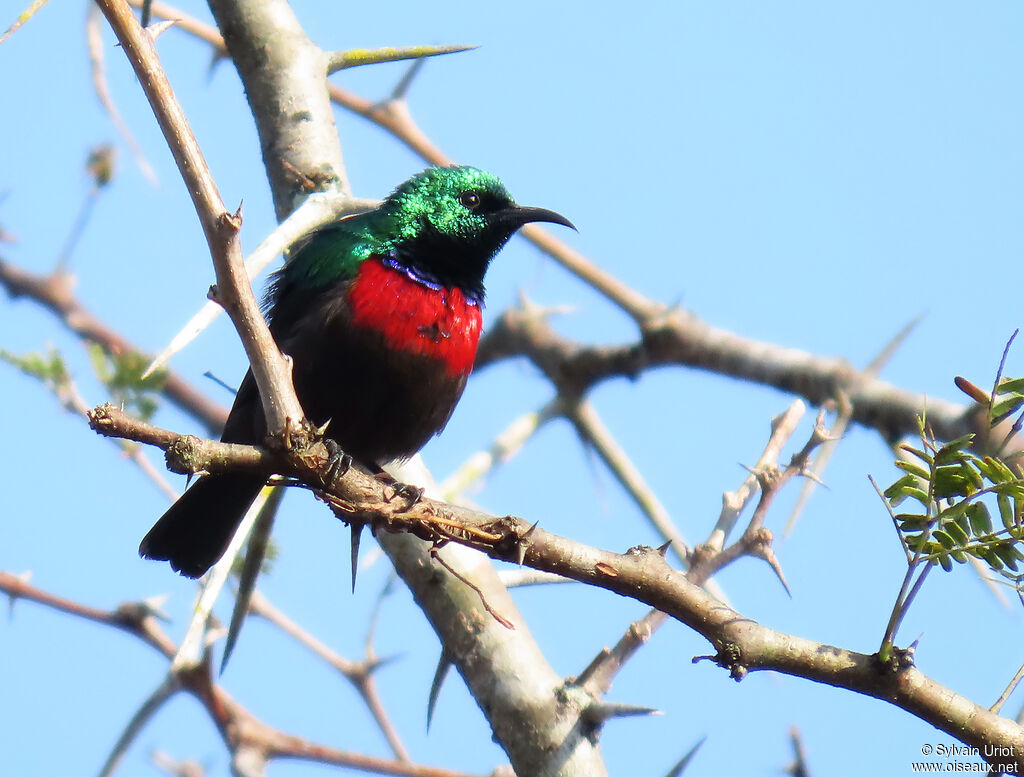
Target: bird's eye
[{"x": 470, "y": 200}]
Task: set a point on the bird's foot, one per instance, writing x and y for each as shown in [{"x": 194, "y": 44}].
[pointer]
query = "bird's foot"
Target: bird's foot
[
  {"x": 338, "y": 462},
  {"x": 411, "y": 494}
]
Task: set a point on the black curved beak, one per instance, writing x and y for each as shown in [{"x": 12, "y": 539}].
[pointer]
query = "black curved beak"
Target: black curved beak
[{"x": 518, "y": 215}]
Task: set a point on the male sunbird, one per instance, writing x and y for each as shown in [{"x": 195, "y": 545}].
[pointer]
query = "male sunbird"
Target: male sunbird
[{"x": 380, "y": 313}]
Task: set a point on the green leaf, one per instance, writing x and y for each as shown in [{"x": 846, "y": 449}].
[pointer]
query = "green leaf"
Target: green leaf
[
  {"x": 949, "y": 482},
  {"x": 914, "y": 451},
  {"x": 955, "y": 532},
  {"x": 953, "y": 512},
  {"x": 965, "y": 525},
  {"x": 981, "y": 520},
  {"x": 944, "y": 561},
  {"x": 944, "y": 539},
  {"x": 1007, "y": 554},
  {"x": 968, "y": 470},
  {"x": 953, "y": 450},
  {"x": 904, "y": 487},
  {"x": 49, "y": 368},
  {"x": 1005, "y": 473},
  {"x": 919, "y": 495},
  {"x": 1009, "y": 385},
  {"x": 994, "y": 562},
  {"x": 892, "y": 491},
  {"x": 1013, "y": 488},
  {"x": 914, "y": 469},
  {"x": 912, "y": 522},
  {"x": 917, "y": 543},
  {"x": 1004, "y": 408},
  {"x": 1005, "y": 510}
]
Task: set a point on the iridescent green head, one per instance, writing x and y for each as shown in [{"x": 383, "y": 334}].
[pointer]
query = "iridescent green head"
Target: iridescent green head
[{"x": 449, "y": 222}]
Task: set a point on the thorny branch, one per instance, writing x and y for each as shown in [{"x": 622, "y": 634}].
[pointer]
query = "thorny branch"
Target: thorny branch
[
  {"x": 269, "y": 367},
  {"x": 56, "y": 294},
  {"x": 240, "y": 729},
  {"x": 667, "y": 337},
  {"x": 359, "y": 673},
  {"x": 741, "y": 645},
  {"x": 288, "y": 72},
  {"x": 606, "y": 665}
]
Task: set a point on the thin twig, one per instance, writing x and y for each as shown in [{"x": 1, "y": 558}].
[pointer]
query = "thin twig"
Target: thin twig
[
  {"x": 476, "y": 589},
  {"x": 55, "y": 293},
  {"x": 358, "y": 673},
  {"x": 593, "y": 430},
  {"x": 597, "y": 677},
  {"x": 23, "y": 17},
  {"x": 782, "y": 428},
  {"x": 94, "y": 43},
  {"x": 756, "y": 539},
  {"x": 505, "y": 446},
  {"x": 193, "y": 646},
  {"x": 239, "y": 728},
  {"x": 998, "y": 705},
  {"x": 317, "y": 209},
  {"x": 269, "y": 367},
  {"x": 843, "y": 417}
]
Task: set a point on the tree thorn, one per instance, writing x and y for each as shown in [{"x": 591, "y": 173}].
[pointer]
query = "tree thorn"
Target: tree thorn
[
  {"x": 444, "y": 663},
  {"x": 357, "y": 533}
]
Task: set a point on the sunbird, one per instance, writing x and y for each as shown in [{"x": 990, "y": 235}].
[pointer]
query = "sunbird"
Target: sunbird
[{"x": 381, "y": 315}]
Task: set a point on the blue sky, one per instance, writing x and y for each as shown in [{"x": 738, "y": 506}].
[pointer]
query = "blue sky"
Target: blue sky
[{"x": 814, "y": 175}]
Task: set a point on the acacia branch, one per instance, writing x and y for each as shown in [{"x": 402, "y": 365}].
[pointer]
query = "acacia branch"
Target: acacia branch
[
  {"x": 505, "y": 670},
  {"x": 241, "y": 731},
  {"x": 270, "y": 369},
  {"x": 669, "y": 336},
  {"x": 55, "y": 293},
  {"x": 603, "y": 668},
  {"x": 682, "y": 339},
  {"x": 358, "y": 673},
  {"x": 285, "y": 77},
  {"x": 737, "y": 649},
  {"x": 741, "y": 644}
]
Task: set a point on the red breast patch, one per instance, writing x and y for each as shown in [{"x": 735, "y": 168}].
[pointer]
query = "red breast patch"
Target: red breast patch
[{"x": 441, "y": 324}]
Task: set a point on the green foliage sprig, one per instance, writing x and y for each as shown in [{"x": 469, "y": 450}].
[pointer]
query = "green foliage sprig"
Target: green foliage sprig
[
  {"x": 949, "y": 493},
  {"x": 122, "y": 376}
]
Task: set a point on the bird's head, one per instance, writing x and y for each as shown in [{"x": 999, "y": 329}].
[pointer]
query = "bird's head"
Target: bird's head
[{"x": 451, "y": 221}]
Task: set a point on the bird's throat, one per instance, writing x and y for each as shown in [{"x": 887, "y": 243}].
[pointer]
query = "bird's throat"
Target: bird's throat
[{"x": 413, "y": 315}]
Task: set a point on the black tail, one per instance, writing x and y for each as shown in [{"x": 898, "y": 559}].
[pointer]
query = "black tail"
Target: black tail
[{"x": 194, "y": 533}]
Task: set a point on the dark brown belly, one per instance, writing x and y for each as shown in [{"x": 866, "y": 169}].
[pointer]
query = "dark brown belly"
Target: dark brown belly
[{"x": 381, "y": 404}]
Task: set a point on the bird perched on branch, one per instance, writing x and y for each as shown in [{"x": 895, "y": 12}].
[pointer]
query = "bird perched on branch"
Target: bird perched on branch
[{"x": 380, "y": 313}]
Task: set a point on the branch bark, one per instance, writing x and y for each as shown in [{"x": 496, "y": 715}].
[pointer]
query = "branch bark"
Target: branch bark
[
  {"x": 55, "y": 293},
  {"x": 681, "y": 338},
  {"x": 285, "y": 74},
  {"x": 270, "y": 369},
  {"x": 741, "y": 645}
]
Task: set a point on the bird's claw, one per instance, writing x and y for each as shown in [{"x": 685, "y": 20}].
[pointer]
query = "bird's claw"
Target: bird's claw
[
  {"x": 411, "y": 494},
  {"x": 338, "y": 462}
]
